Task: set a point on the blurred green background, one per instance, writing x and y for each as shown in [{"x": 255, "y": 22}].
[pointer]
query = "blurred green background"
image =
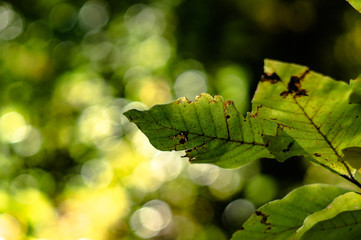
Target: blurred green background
[{"x": 72, "y": 166}]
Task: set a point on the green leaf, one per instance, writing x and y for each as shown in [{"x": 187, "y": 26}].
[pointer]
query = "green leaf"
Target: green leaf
[
  {"x": 279, "y": 220},
  {"x": 339, "y": 220},
  {"x": 356, "y": 4},
  {"x": 314, "y": 117},
  {"x": 210, "y": 130}
]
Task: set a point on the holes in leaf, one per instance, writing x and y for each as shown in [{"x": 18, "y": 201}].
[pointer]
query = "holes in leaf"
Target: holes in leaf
[
  {"x": 264, "y": 217},
  {"x": 183, "y": 137},
  {"x": 288, "y": 147},
  {"x": 272, "y": 78},
  {"x": 294, "y": 86}
]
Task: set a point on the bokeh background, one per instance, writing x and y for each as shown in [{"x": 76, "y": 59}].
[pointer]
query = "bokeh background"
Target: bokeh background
[{"x": 72, "y": 166}]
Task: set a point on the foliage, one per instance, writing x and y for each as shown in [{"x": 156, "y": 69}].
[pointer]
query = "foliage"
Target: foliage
[
  {"x": 73, "y": 167},
  {"x": 291, "y": 217},
  {"x": 210, "y": 130},
  {"x": 296, "y": 112}
]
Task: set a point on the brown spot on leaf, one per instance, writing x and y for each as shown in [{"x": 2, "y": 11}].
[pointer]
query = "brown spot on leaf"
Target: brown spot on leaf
[
  {"x": 288, "y": 147},
  {"x": 282, "y": 126},
  {"x": 272, "y": 78},
  {"x": 356, "y": 116},
  {"x": 284, "y": 94},
  {"x": 183, "y": 137},
  {"x": 294, "y": 86},
  {"x": 256, "y": 112},
  {"x": 258, "y": 213},
  {"x": 317, "y": 155},
  {"x": 228, "y": 117},
  {"x": 228, "y": 103},
  {"x": 253, "y": 115},
  {"x": 183, "y": 99},
  {"x": 203, "y": 145},
  {"x": 264, "y": 217}
]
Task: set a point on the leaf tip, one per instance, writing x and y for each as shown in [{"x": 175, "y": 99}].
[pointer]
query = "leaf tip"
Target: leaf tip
[
  {"x": 128, "y": 114},
  {"x": 203, "y": 95},
  {"x": 228, "y": 103},
  {"x": 218, "y": 98},
  {"x": 183, "y": 100}
]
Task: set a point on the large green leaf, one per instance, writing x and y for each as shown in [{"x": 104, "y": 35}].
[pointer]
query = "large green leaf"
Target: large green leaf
[
  {"x": 356, "y": 4},
  {"x": 314, "y": 117},
  {"x": 339, "y": 220},
  {"x": 209, "y": 129},
  {"x": 280, "y": 219}
]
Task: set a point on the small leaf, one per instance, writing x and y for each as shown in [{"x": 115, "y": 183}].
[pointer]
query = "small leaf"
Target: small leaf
[
  {"x": 339, "y": 220},
  {"x": 356, "y": 4},
  {"x": 314, "y": 117},
  {"x": 210, "y": 130},
  {"x": 279, "y": 220}
]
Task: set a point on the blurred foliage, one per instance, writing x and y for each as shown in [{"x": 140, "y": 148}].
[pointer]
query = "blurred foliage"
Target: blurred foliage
[{"x": 73, "y": 167}]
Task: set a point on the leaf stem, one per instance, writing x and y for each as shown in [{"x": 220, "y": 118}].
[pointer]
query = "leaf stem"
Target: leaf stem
[{"x": 350, "y": 177}]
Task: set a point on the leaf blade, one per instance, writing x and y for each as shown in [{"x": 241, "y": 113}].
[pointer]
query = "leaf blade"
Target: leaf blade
[
  {"x": 211, "y": 130},
  {"x": 279, "y": 219},
  {"x": 312, "y": 110},
  {"x": 341, "y": 219}
]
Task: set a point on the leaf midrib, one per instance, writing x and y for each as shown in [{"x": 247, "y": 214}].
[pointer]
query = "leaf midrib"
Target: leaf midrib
[
  {"x": 323, "y": 135},
  {"x": 316, "y": 127},
  {"x": 203, "y": 135}
]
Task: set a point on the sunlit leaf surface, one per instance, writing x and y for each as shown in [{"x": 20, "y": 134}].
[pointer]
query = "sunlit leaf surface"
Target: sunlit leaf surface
[
  {"x": 314, "y": 117},
  {"x": 209, "y": 129}
]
